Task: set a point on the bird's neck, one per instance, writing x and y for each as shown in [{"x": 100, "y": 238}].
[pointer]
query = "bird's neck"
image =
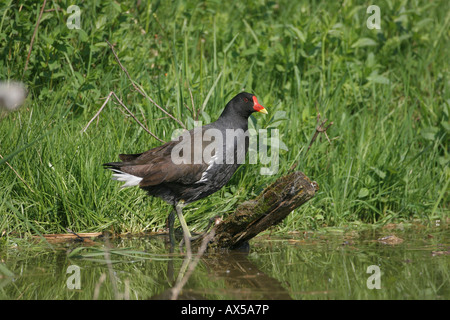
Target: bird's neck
[{"x": 232, "y": 120}]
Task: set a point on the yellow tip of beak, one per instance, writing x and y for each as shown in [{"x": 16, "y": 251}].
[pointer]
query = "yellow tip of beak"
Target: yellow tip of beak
[{"x": 263, "y": 111}]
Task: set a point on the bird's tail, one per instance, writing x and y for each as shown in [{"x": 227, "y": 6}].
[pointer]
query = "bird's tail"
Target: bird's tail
[{"x": 119, "y": 175}]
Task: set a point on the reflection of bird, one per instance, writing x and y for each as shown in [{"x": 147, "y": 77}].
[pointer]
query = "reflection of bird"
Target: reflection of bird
[
  {"x": 12, "y": 95},
  {"x": 201, "y": 163}
]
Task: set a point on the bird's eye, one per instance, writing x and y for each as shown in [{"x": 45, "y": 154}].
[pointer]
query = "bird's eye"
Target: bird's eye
[{"x": 245, "y": 99}]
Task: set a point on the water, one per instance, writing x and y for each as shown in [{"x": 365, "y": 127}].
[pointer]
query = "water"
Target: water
[{"x": 331, "y": 264}]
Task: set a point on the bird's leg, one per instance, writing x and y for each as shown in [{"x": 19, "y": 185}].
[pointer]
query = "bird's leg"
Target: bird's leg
[
  {"x": 186, "y": 232},
  {"x": 171, "y": 221},
  {"x": 214, "y": 220}
]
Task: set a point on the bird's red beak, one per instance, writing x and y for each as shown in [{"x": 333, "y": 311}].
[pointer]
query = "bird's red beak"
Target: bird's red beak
[{"x": 258, "y": 107}]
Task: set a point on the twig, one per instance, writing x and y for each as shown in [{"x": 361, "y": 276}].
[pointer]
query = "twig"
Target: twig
[
  {"x": 53, "y": 9},
  {"x": 180, "y": 284},
  {"x": 34, "y": 35},
  {"x": 128, "y": 110},
  {"x": 112, "y": 275},
  {"x": 319, "y": 129},
  {"x": 123, "y": 105},
  {"x": 160, "y": 25},
  {"x": 134, "y": 117},
  {"x": 193, "y": 106},
  {"x": 143, "y": 117},
  {"x": 18, "y": 175},
  {"x": 98, "y": 112},
  {"x": 110, "y": 268},
  {"x": 74, "y": 233},
  {"x": 97, "y": 286},
  {"x": 139, "y": 90},
  {"x": 187, "y": 107}
]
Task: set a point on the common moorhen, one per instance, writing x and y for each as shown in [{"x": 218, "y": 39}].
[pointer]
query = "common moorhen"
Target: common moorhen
[{"x": 196, "y": 165}]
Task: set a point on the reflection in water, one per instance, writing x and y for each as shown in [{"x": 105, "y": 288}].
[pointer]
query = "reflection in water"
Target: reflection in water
[
  {"x": 320, "y": 266},
  {"x": 241, "y": 278}
]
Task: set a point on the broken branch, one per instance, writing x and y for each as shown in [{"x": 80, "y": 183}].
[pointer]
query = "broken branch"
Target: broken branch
[
  {"x": 139, "y": 89},
  {"x": 128, "y": 110}
]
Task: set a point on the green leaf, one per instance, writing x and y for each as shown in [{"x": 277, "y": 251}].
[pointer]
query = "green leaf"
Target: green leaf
[
  {"x": 298, "y": 33},
  {"x": 83, "y": 35},
  {"x": 376, "y": 78},
  {"x": 380, "y": 173},
  {"x": 280, "y": 68},
  {"x": 76, "y": 252},
  {"x": 429, "y": 133},
  {"x": 363, "y": 192},
  {"x": 279, "y": 115},
  {"x": 5, "y": 271},
  {"x": 206, "y": 117},
  {"x": 250, "y": 51},
  {"x": 364, "y": 42},
  {"x": 54, "y": 65}
]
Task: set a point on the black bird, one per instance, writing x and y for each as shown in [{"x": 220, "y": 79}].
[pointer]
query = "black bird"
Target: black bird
[{"x": 196, "y": 165}]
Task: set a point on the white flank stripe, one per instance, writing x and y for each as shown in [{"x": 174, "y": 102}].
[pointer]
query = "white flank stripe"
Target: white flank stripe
[
  {"x": 204, "y": 178},
  {"x": 129, "y": 179}
]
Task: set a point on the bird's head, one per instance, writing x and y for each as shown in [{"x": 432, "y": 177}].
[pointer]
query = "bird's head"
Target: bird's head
[{"x": 244, "y": 104}]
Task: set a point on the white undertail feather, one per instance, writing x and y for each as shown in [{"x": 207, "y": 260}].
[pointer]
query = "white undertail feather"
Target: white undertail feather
[{"x": 129, "y": 179}]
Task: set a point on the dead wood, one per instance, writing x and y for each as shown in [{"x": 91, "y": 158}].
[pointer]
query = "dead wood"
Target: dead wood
[{"x": 266, "y": 210}]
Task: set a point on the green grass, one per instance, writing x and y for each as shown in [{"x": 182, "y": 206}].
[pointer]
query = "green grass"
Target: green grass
[{"x": 386, "y": 92}]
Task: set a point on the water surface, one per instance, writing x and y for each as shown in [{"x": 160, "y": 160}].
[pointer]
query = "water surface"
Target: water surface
[{"x": 331, "y": 264}]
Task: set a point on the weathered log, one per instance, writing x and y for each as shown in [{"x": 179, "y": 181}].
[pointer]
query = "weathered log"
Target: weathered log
[
  {"x": 267, "y": 209},
  {"x": 87, "y": 238}
]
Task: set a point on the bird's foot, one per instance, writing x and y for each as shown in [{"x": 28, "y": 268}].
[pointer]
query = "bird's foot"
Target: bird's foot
[{"x": 214, "y": 220}]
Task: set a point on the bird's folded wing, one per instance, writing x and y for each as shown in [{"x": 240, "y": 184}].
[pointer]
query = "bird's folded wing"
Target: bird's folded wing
[
  {"x": 170, "y": 162},
  {"x": 170, "y": 172}
]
